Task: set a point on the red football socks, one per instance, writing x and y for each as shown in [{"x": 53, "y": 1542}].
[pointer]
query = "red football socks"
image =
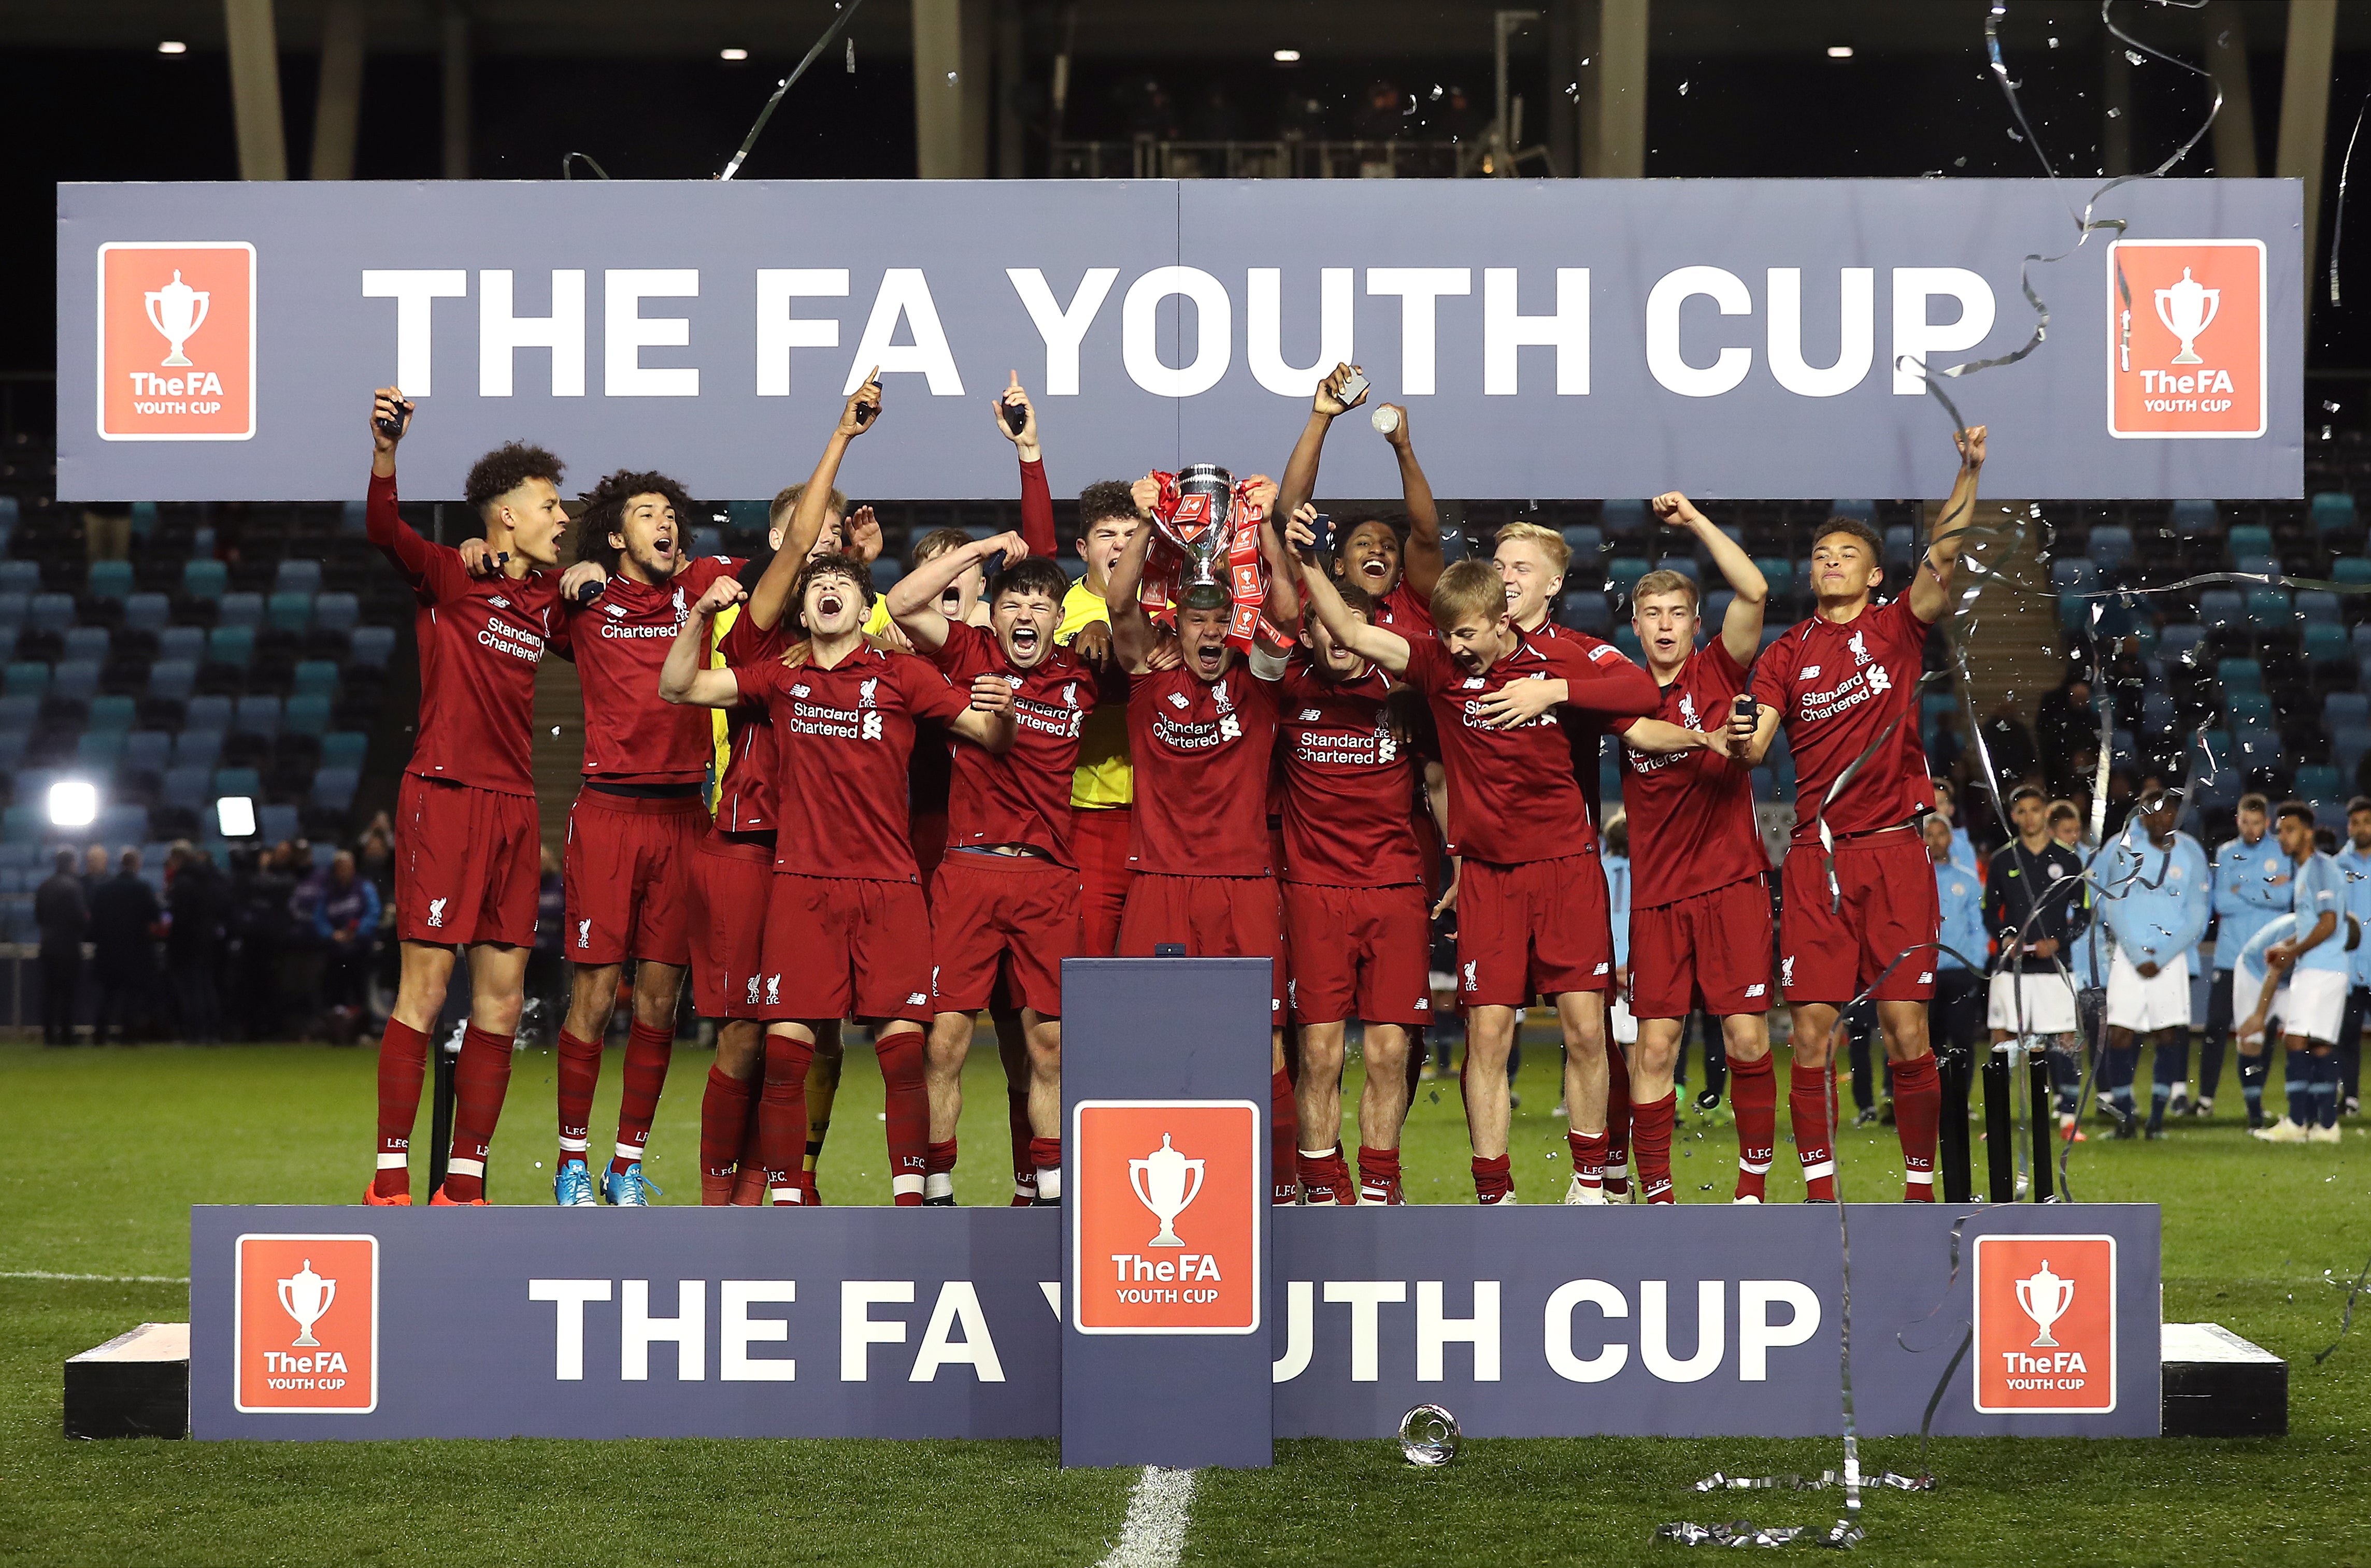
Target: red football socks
[
  {"x": 1284, "y": 1140},
  {"x": 1587, "y": 1159},
  {"x": 723, "y": 1122},
  {"x": 749, "y": 1165},
  {"x": 402, "y": 1069},
  {"x": 782, "y": 1114},
  {"x": 647, "y": 1052},
  {"x": 480, "y": 1078},
  {"x": 1651, "y": 1133},
  {"x": 1617, "y": 1123},
  {"x": 1917, "y": 1107},
  {"x": 1753, "y": 1096},
  {"x": 1016, "y": 1125},
  {"x": 909, "y": 1115},
  {"x": 1806, "y": 1103},
  {"x": 580, "y": 1073},
  {"x": 1379, "y": 1176},
  {"x": 1045, "y": 1164},
  {"x": 939, "y": 1172},
  {"x": 1493, "y": 1182},
  {"x": 1325, "y": 1176}
]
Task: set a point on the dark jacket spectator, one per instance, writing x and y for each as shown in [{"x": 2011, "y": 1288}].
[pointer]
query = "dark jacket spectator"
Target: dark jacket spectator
[
  {"x": 346, "y": 922},
  {"x": 64, "y": 919},
  {"x": 200, "y": 907},
  {"x": 261, "y": 919},
  {"x": 123, "y": 918}
]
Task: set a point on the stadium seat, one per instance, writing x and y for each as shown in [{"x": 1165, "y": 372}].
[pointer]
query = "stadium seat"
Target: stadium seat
[
  {"x": 2340, "y": 708},
  {"x": 25, "y": 677},
  {"x": 2318, "y": 605},
  {"x": 1586, "y": 610},
  {"x": 2222, "y": 609},
  {"x": 2074, "y": 612},
  {"x": 274, "y": 822},
  {"x": 2073, "y": 574},
  {"x": 2319, "y": 781},
  {"x": 1586, "y": 541},
  {"x": 255, "y": 715},
  {"x": 148, "y": 751},
  {"x": 204, "y": 578},
  {"x": 2257, "y": 566},
  {"x": 108, "y": 579},
  {"x": 50, "y": 612},
  {"x": 2247, "y": 539},
  {"x": 2255, "y": 747},
  {"x": 2333, "y": 513},
  {"x": 2195, "y": 519},
  {"x": 2110, "y": 545},
  {"x": 885, "y": 572},
  {"x": 121, "y": 824},
  {"x": 316, "y": 677},
  {"x": 19, "y": 713},
  {"x": 289, "y": 612},
  {"x": 1625, "y": 518},
  {"x": 207, "y": 712},
  {"x": 333, "y": 789},
  {"x": 230, "y": 644},
  {"x": 372, "y": 645},
  {"x": 2176, "y": 641},
  {"x": 188, "y": 643},
  {"x": 185, "y": 789},
  {"x": 1624, "y": 571},
  {"x": 2350, "y": 569},
  {"x": 99, "y": 750},
  {"x": 709, "y": 540},
  {"x": 2269, "y": 609},
  {"x": 19, "y": 858},
  {"x": 2325, "y": 643},
  {"x": 87, "y": 642},
  {"x": 2347, "y": 744},
  {"x": 354, "y": 516},
  {"x": 296, "y": 575},
  {"x": 112, "y": 713},
  {"x": 173, "y": 678},
  {"x": 1777, "y": 571},
  {"x": 336, "y": 611},
  {"x": 306, "y": 714},
  {"x": 1627, "y": 639},
  {"x": 1716, "y": 610},
  {"x": 2248, "y": 708},
  {"x": 239, "y": 609},
  {"x": 21, "y": 577},
  {"x": 1901, "y": 542},
  {"x": 237, "y": 781},
  {"x": 344, "y": 748},
  {"x": 1865, "y": 510},
  {"x": 198, "y": 748}
]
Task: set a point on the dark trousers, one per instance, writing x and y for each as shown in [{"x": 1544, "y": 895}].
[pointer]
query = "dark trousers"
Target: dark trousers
[
  {"x": 1955, "y": 1019},
  {"x": 61, "y": 979},
  {"x": 194, "y": 1000},
  {"x": 2218, "y": 1032},
  {"x": 1860, "y": 1028},
  {"x": 125, "y": 989},
  {"x": 2350, "y": 1043}
]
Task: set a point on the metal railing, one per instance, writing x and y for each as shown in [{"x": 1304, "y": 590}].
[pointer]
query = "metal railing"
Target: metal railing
[{"x": 1151, "y": 158}]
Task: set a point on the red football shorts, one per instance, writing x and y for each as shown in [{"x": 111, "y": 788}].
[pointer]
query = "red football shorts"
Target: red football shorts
[
  {"x": 1361, "y": 952},
  {"x": 629, "y": 877},
  {"x": 469, "y": 863},
  {"x": 1018, "y": 908},
  {"x": 1535, "y": 929},
  {"x": 1213, "y": 917},
  {"x": 1889, "y": 907},
  {"x": 1099, "y": 839},
  {"x": 1711, "y": 951},
  {"x": 732, "y": 879},
  {"x": 845, "y": 947}
]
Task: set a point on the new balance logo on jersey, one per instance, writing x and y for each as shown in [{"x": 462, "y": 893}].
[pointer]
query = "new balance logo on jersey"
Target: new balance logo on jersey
[
  {"x": 916, "y": 999},
  {"x": 1756, "y": 989},
  {"x": 801, "y": 690},
  {"x": 1601, "y": 968},
  {"x": 499, "y": 601},
  {"x": 1424, "y": 1003},
  {"x": 1474, "y": 682},
  {"x": 1926, "y": 979},
  {"x": 617, "y": 611},
  {"x": 584, "y": 933},
  {"x": 1308, "y": 715},
  {"x": 1808, "y": 672},
  {"x": 436, "y": 912},
  {"x": 752, "y": 999},
  {"x": 1177, "y": 700}
]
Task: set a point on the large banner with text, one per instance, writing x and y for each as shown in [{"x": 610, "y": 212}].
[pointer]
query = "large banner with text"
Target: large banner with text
[
  {"x": 1548, "y": 338},
  {"x": 327, "y": 1322}
]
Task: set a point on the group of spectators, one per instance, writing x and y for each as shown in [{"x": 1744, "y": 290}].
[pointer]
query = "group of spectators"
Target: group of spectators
[{"x": 270, "y": 947}]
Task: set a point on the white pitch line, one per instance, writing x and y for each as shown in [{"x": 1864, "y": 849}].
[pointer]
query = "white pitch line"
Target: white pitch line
[
  {"x": 96, "y": 1279},
  {"x": 1155, "y": 1532}
]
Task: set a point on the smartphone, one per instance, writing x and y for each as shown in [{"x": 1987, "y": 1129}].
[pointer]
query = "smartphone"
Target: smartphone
[
  {"x": 1016, "y": 418},
  {"x": 1747, "y": 709},
  {"x": 864, "y": 412},
  {"x": 1323, "y": 526},
  {"x": 993, "y": 565},
  {"x": 393, "y": 428},
  {"x": 1352, "y": 389}
]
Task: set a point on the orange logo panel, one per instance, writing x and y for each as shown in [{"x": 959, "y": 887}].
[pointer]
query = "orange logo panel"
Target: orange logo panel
[
  {"x": 308, "y": 1324},
  {"x": 177, "y": 342},
  {"x": 1166, "y": 1216},
  {"x": 2187, "y": 356},
  {"x": 2046, "y": 1323}
]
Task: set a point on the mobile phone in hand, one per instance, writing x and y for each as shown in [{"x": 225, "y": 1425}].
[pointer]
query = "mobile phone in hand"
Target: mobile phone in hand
[
  {"x": 391, "y": 426},
  {"x": 993, "y": 565},
  {"x": 1323, "y": 526},
  {"x": 1352, "y": 389},
  {"x": 1016, "y": 418}
]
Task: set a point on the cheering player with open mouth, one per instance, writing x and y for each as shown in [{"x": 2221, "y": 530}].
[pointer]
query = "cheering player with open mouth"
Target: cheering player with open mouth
[
  {"x": 1844, "y": 684},
  {"x": 469, "y": 851},
  {"x": 1700, "y": 916},
  {"x": 846, "y": 933},
  {"x": 1531, "y": 894}
]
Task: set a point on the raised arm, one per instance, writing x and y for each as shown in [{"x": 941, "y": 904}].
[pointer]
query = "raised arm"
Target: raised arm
[
  {"x": 1740, "y": 628},
  {"x": 772, "y": 595},
  {"x": 1300, "y": 468},
  {"x": 1132, "y": 629},
  {"x": 1930, "y": 589},
  {"x": 683, "y": 678},
  {"x": 914, "y": 601},
  {"x": 1283, "y": 609},
  {"x": 987, "y": 723},
  {"x": 1421, "y": 558},
  {"x": 1375, "y": 644},
  {"x": 398, "y": 541},
  {"x": 1036, "y": 498}
]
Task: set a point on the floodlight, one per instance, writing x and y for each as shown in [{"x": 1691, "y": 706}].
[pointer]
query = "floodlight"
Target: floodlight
[
  {"x": 236, "y": 815},
  {"x": 72, "y": 803}
]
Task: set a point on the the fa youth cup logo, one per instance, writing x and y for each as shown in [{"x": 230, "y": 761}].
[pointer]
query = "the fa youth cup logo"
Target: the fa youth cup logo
[
  {"x": 2187, "y": 308},
  {"x": 177, "y": 311},
  {"x": 1160, "y": 1182},
  {"x": 2045, "y": 1298},
  {"x": 304, "y": 1296}
]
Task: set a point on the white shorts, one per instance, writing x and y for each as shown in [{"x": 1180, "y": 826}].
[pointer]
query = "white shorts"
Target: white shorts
[
  {"x": 2048, "y": 1000},
  {"x": 2146, "y": 1004},
  {"x": 2313, "y": 1004}
]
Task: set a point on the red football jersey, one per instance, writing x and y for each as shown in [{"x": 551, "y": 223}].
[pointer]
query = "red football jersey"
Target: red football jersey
[
  {"x": 841, "y": 738},
  {"x": 745, "y": 794},
  {"x": 632, "y": 735},
  {"x": 1690, "y": 813},
  {"x": 1404, "y": 611},
  {"x": 479, "y": 640},
  {"x": 1201, "y": 754},
  {"x": 1512, "y": 795},
  {"x": 1023, "y": 796},
  {"x": 1836, "y": 687},
  {"x": 1348, "y": 783}
]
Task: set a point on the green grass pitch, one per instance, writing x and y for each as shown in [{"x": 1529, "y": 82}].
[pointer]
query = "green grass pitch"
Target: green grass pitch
[{"x": 108, "y": 1148}]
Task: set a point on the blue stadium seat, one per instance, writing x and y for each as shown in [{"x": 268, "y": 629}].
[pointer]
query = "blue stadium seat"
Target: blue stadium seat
[
  {"x": 1627, "y": 639},
  {"x": 317, "y": 677},
  {"x": 297, "y": 576},
  {"x": 99, "y": 750},
  {"x": 2074, "y": 612},
  {"x": 20, "y": 858},
  {"x": 19, "y": 713},
  {"x": 1865, "y": 510},
  {"x": 324, "y": 853},
  {"x": 112, "y": 712},
  {"x": 172, "y": 679},
  {"x": 1624, "y": 571},
  {"x": 2256, "y": 747},
  {"x": 1625, "y": 517},
  {"x": 2110, "y": 545},
  {"x": 74, "y": 679},
  {"x": 2176, "y": 641},
  {"x": 1687, "y": 566},
  {"x": 1714, "y": 611},
  {"x": 17, "y": 917},
  {"x": 2258, "y": 565},
  {"x": 333, "y": 788},
  {"x": 25, "y": 825},
  {"x": 289, "y": 612},
  {"x": 2319, "y": 781},
  {"x": 2195, "y": 519},
  {"x": 206, "y": 713},
  {"x": 120, "y": 824},
  {"x": 2073, "y": 574},
  {"x": 2269, "y": 609},
  {"x": 1900, "y": 543},
  {"x": 203, "y": 578},
  {"x": 336, "y": 611},
  {"x": 237, "y": 781},
  {"x": 231, "y": 645},
  {"x": 275, "y": 823},
  {"x": 198, "y": 748},
  {"x": 21, "y": 577},
  {"x": 2339, "y": 708},
  {"x": 150, "y": 751},
  {"x": 89, "y": 643},
  {"x": 143, "y": 519},
  {"x": 25, "y": 677},
  {"x": 108, "y": 579},
  {"x": 306, "y": 714},
  {"x": 372, "y": 646},
  {"x": 344, "y": 748},
  {"x": 257, "y": 715},
  {"x": 1777, "y": 571},
  {"x": 2318, "y": 605},
  {"x": 709, "y": 540},
  {"x": 2347, "y": 744},
  {"x": 885, "y": 572},
  {"x": 2350, "y": 569},
  {"x": 14, "y": 607},
  {"x": 2245, "y": 708},
  {"x": 50, "y": 612},
  {"x": 2222, "y": 609},
  {"x": 1586, "y": 610},
  {"x": 1586, "y": 540},
  {"x": 186, "y": 788},
  {"x": 2247, "y": 539},
  {"x": 239, "y": 609},
  {"x": 2333, "y": 513},
  {"x": 2324, "y": 643},
  {"x": 181, "y": 642}
]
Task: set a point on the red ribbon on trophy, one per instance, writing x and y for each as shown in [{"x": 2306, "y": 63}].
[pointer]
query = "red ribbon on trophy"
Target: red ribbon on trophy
[{"x": 1207, "y": 545}]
